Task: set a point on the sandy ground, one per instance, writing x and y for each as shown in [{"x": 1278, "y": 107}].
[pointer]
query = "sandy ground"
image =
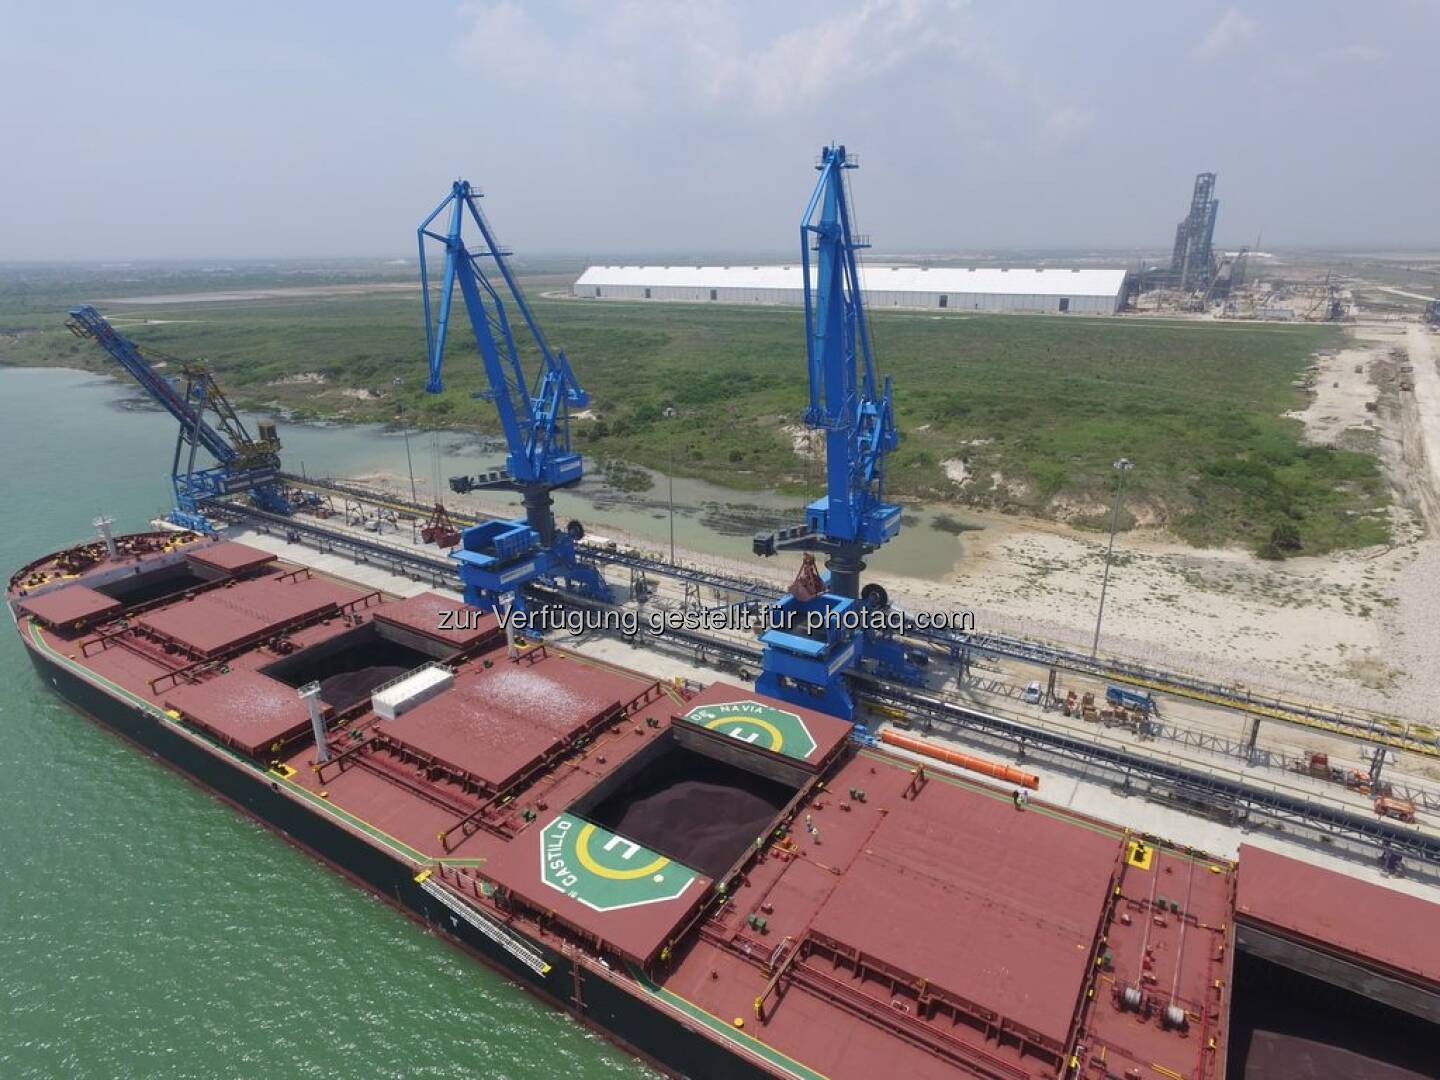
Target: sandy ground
[
  {"x": 1423, "y": 351},
  {"x": 1342, "y": 389},
  {"x": 1305, "y": 627}
]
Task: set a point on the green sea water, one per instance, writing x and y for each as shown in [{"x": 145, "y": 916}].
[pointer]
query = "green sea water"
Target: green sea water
[{"x": 147, "y": 930}]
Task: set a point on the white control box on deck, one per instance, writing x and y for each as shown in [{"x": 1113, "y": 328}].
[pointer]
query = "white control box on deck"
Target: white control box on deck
[{"x": 402, "y": 694}]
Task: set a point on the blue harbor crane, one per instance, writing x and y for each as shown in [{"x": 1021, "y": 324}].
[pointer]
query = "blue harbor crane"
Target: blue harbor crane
[
  {"x": 819, "y": 632},
  {"x": 242, "y": 464},
  {"x": 498, "y": 558}
]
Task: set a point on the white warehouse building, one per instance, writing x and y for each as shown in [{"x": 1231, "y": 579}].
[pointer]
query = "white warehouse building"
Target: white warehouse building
[{"x": 1099, "y": 291}]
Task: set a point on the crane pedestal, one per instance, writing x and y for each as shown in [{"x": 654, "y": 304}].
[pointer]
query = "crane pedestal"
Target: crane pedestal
[
  {"x": 808, "y": 651},
  {"x": 845, "y": 565},
  {"x": 499, "y": 558}
]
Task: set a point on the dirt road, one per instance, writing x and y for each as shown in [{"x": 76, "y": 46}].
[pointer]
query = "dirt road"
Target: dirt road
[{"x": 1421, "y": 347}]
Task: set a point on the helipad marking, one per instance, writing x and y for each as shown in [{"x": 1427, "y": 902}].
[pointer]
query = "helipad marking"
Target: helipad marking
[
  {"x": 606, "y": 871},
  {"x": 760, "y": 724},
  {"x": 738, "y": 724},
  {"x": 582, "y": 852}
]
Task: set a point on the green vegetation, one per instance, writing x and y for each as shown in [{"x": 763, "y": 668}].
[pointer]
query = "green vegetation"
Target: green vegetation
[
  {"x": 948, "y": 523},
  {"x": 623, "y": 476},
  {"x": 1037, "y": 408}
]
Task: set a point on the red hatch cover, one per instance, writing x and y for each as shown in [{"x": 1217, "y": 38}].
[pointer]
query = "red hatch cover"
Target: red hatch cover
[
  {"x": 1339, "y": 913},
  {"x": 244, "y": 709},
  {"x": 496, "y": 722},
  {"x": 1018, "y": 898},
  {"x": 441, "y": 618},
  {"x": 231, "y": 557},
  {"x": 64, "y": 608},
  {"x": 229, "y": 616},
  {"x": 767, "y": 724}
]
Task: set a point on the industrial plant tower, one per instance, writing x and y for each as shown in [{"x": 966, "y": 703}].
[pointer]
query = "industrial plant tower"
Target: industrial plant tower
[{"x": 1192, "y": 265}]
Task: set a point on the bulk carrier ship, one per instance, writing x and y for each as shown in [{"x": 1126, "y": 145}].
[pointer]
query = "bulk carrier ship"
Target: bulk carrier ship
[{"x": 724, "y": 883}]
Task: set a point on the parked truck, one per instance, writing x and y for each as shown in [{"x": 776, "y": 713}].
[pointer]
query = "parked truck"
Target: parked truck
[
  {"x": 1129, "y": 699},
  {"x": 1399, "y": 809}
]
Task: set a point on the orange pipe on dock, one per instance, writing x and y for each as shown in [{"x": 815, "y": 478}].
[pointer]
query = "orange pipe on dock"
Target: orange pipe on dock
[{"x": 966, "y": 761}]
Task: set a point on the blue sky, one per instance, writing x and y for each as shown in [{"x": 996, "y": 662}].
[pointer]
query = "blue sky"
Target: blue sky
[{"x": 152, "y": 130}]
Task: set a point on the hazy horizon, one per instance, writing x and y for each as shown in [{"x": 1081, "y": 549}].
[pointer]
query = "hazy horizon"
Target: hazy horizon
[
  {"x": 399, "y": 262},
  {"x": 169, "y": 133}
]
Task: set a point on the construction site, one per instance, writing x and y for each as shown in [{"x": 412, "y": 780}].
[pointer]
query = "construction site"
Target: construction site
[{"x": 1251, "y": 283}]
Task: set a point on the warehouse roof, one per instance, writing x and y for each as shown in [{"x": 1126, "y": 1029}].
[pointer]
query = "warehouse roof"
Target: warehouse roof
[{"x": 1009, "y": 281}]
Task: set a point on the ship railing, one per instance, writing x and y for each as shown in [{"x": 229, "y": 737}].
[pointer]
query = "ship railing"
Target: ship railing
[
  {"x": 430, "y": 764},
  {"x": 460, "y": 878},
  {"x": 651, "y": 693},
  {"x": 1093, "y": 965},
  {"x": 343, "y": 759},
  {"x": 778, "y": 965},
  {"x": 990, "y": 1023},
  {"x": 480, "y": 817},
  {"x": 714, "y": 930},
  {"x": 127, "y": 638},
  {"x": 190, "y": 673},
  {"x": 219, "y": 659},
  {"x": 103, "y": 641},
  {"x": 912, "y": 1029},
  {"x": 476, "y": 820},
  {"x": 530, "y": 653},
  {"x": 428, "y": 792},
  {"x": 375, "y": 596}
]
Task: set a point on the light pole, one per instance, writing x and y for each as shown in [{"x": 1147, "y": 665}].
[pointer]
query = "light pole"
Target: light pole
[
  {"x": 1122, "y": 466},
  {"x": 670, "y": 478},
  {"x": 670, "y": 414},
  {"x": 410, "y": 467}
]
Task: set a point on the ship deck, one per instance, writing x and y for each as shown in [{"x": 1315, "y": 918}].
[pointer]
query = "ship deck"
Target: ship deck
[
  {"x": 1315, "y": 908},
  {"x": 827, "y": 909}
]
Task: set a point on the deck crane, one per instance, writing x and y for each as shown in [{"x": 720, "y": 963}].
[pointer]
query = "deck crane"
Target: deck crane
[
  {"x": 242, "y": 464},
  {"x": 497, "y": 558},
  {"x": 805, "y": 662}
]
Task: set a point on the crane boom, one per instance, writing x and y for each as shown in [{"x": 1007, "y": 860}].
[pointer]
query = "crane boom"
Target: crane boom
[
  {"x": 859, "y": 425},
  {"x": 820, "y": 632},
  {"x": 243, "y": 464},
  {"x": 535, "y": 419},
  {"x": 86, "y": 322},
  {"x": 855, "y": 412}
]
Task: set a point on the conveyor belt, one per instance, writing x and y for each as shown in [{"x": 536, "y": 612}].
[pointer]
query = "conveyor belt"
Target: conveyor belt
[
  {"x": 1246, "y": 804},
  {"x": 435, "y": 568},
  {"x": 1377, "y": 730}
]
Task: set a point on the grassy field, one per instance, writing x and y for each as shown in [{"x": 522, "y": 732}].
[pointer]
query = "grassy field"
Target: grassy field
[{"x": 1037, "y": 408}]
